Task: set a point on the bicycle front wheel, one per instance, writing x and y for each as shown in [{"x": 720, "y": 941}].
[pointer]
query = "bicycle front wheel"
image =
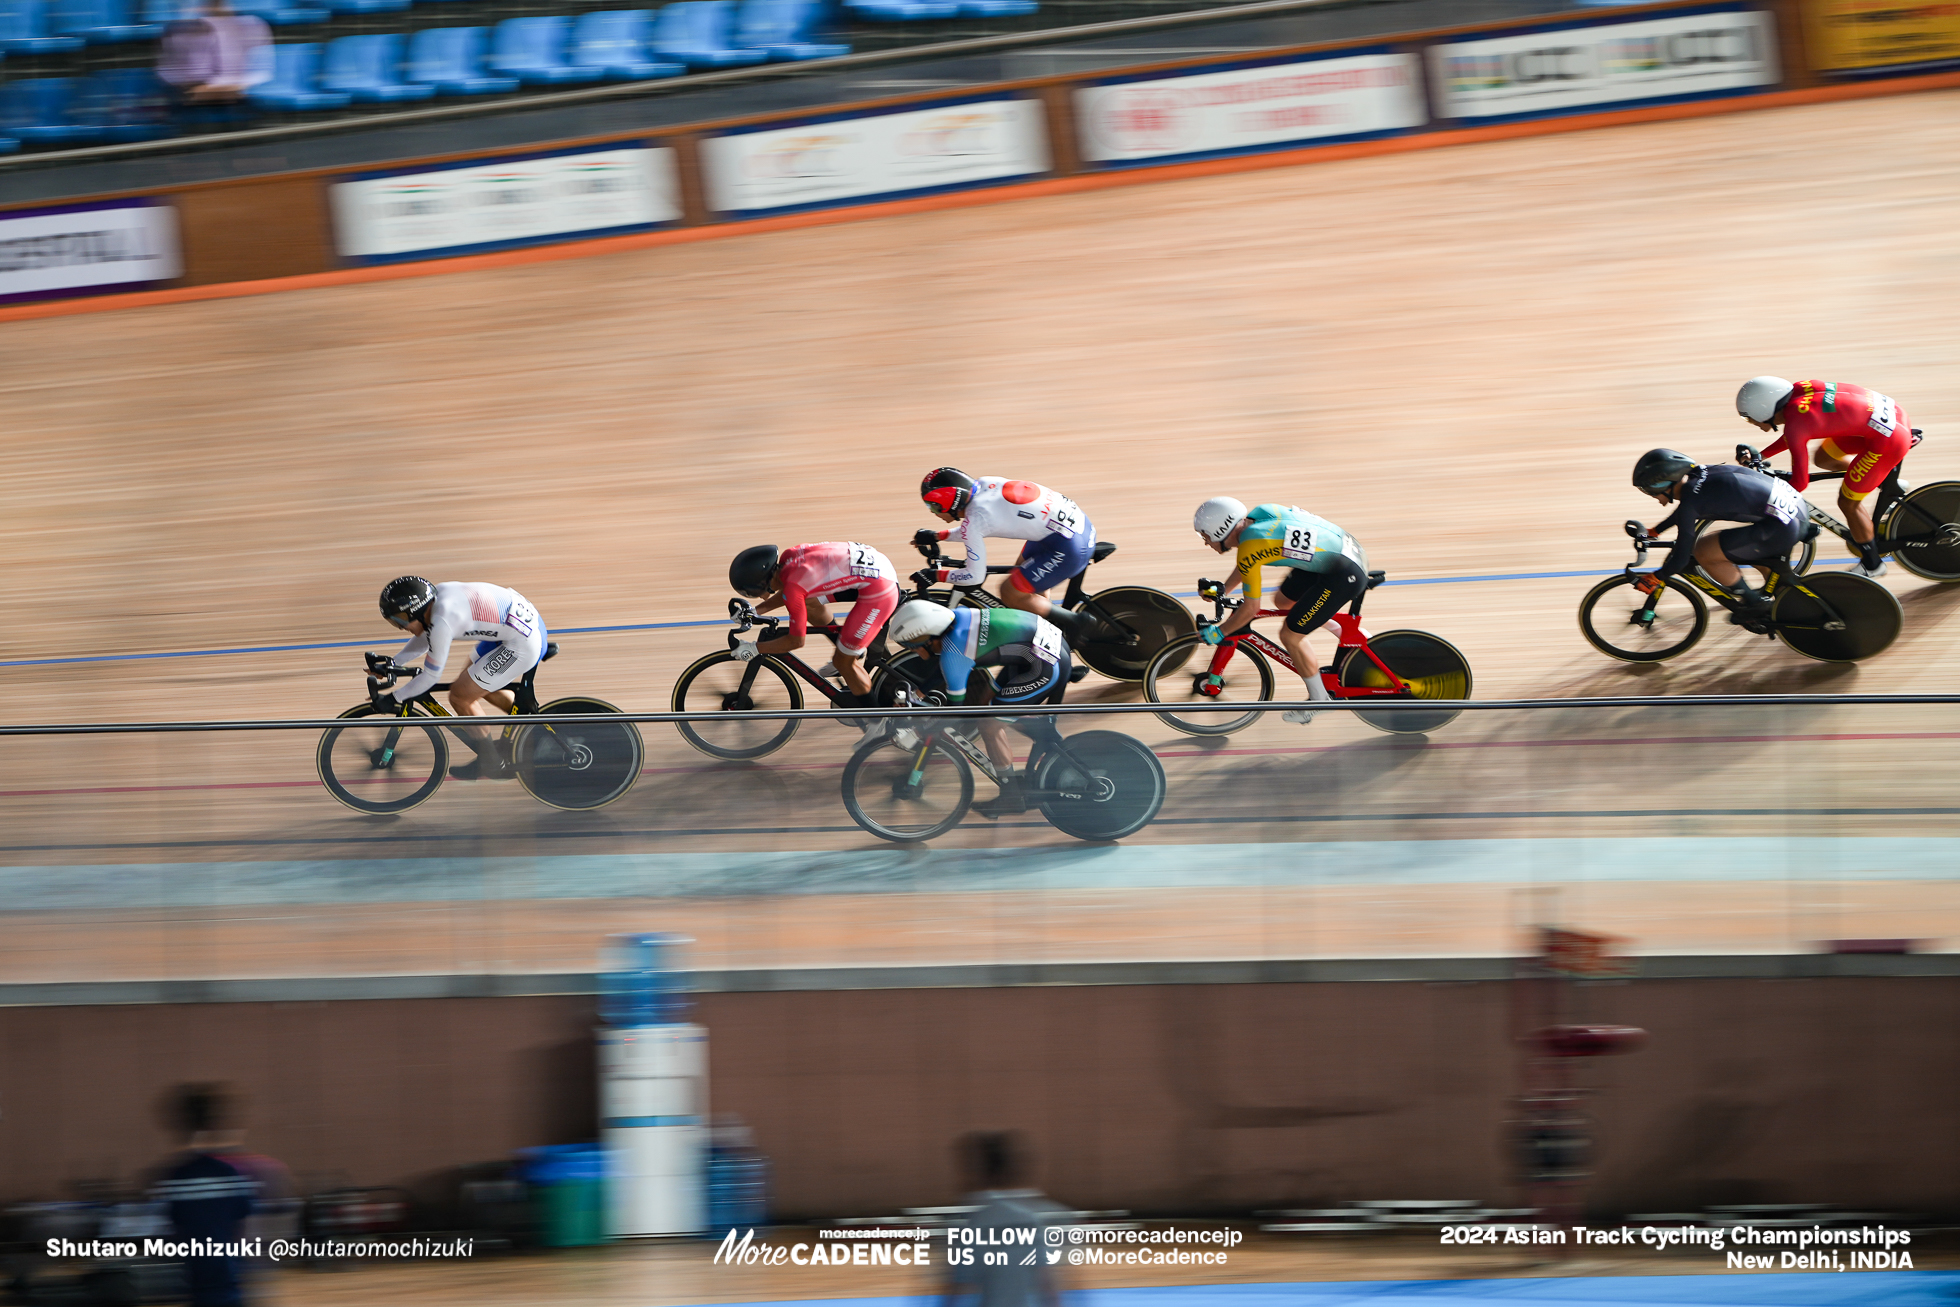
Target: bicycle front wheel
[
  {"x": 578, "y": 767},
  {"x": 386, "y": 765},
  {"x": 1131, "y": 624},
  {"x": 1927, "y": 524},
  {"x": 1431, "y": 667},
  {"x": 1872, "y": 617},
  {"x": 907, "y": 795},
  {"x": 1099, "y": 785},
  {"x": 1248, "y": 678},
  {"x": 1609, "y": 618},
  {"x": 718, "y": 683}
]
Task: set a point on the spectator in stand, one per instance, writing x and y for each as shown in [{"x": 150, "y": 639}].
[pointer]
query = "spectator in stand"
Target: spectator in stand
[
  {"x": 994, "y": 1168},
  {"x": 209, "y": 1190},
  {"x": 211, "y": 63}
]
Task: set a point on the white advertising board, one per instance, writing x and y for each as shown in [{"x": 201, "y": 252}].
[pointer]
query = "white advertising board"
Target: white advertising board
[
  {"x": 1249, "y": 108},
  {"x": 503, "y": 202},
  {"x": 87, "y": 247},
  {"x": 886, "y": 154},
  {"x": 1609, "y": 63}
]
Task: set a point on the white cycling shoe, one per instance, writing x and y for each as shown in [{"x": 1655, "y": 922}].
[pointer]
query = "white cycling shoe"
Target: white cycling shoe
[
  {"x": 1299, "y": 716},
  {"x": 1870, "y": 573}
]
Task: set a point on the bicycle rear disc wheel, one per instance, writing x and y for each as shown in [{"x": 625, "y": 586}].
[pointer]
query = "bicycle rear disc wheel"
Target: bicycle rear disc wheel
[
  {"x": 1872, "y": 618},
  {"x": 581, "y": 766},
  {"x": 719, "y": 683},
  {"x": 1153, "y": 619},
  {"x": 908, "y": 668},
  {"x": 904, "y": 795},
  {"x": 1929, "y": 510},
  {"x": 1099, "y": 785},
  {"x": 1248, "y": 678},
  {"x": 385, "y": 766},
  {"x": 1606, "y": 619},
  {"x": 1430, "y": 666}
]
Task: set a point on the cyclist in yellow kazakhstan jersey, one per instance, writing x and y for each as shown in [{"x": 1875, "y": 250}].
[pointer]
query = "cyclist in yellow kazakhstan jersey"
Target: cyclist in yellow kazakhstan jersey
[{"x": 1326, "y": 568}]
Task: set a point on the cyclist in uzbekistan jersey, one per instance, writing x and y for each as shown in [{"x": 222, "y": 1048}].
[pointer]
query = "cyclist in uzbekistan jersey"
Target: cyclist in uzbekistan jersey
[
  {"x": 1033, "y": 663},
  {"x": 1060, "y": 538},
  {"x": 510, "y": 640},
  {"x": 799, "y": 579},
  {"x": 1861, "y": 433},
  {"x": 1326, "y": 568}
]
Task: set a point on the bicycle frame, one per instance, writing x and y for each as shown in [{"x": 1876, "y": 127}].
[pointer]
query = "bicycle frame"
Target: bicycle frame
[
  {"x": 1043, "y": 732},
  {"x": 1890, "y": 499},
  {"x": 1779, "y": 575},
  {"x": 1075, "y": 596},
  {"x": 747, "y": 618},
  {"x": 1352, "y": 637}
]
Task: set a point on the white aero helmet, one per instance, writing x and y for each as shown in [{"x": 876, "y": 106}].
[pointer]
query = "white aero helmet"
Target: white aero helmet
[
  {"x": 1760, "y": 397},
  {"x": 1218, "y": 518},
  {"x": 918, "y": 620}
]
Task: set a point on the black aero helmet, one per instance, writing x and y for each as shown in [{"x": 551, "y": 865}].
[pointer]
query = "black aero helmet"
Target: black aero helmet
[
  {"x": 1660, "y": 468},
  {"x": 406, "y": 597},
  {"x": 750, "y": 572},
  {"x": 948, "y": 488}
]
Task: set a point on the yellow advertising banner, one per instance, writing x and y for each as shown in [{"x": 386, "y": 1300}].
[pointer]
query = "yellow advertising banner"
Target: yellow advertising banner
[{"x": 1848, "y": 36}]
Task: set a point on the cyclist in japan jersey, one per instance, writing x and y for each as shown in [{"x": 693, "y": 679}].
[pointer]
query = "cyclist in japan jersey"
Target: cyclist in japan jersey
[
  {"x": 1326, "y": 569},
  {"x": 510, "y": 640},
  {"x": 1858, "y": 432},
  {"x": 1060, "y": 538},
  {"x": 799, "y": 579},
  {"x": 1030, "y": 658}
]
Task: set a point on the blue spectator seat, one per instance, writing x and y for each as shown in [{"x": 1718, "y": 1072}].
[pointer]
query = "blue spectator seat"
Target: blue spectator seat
[
  {"x": 24, "y": 29},
  {"x": 696, "y": 32},
  {"x": 615, "y": 42},
  {"x": 369, "y": 69},
  {"x": 102, "y": 22},
  {"x": 997, "y": 8},
  {"x": 165, "y": 12},
  {"x": 533, "y": 51},
  {"x": 282, "y": 13},
  {"x": 41, "y": 111},
  {"x": 781, "y": 29},
  {"x": 8, "y": 145},
  {"x": 366, "y": 6},
  {"x": 295, "y": 81},
  {"x": 129, "y": 104},
  {"x": 903, "y": 11},
  {"x": 451, "y": 60}
]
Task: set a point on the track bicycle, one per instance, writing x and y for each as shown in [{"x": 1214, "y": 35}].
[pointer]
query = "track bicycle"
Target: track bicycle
[
  {"x": 1393, "y": 665},
  {"x": 1834, "y": 617},
  {"x": 721, "y": 683},
  {"x": 1132, "y": 622},
  {"x": 393, "y": 761},
  {"x": 913, "y": 779},
  {"x": 1920, "y": 526}
]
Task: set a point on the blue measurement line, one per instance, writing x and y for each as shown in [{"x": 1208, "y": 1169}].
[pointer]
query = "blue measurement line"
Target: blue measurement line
[{"x": 648, "y": 626}]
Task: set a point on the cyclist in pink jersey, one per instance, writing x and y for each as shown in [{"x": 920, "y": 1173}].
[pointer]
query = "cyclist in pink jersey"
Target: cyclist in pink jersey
[
  {"x": 1859, "y": 432},
  {"x": 799, "y": 579}
]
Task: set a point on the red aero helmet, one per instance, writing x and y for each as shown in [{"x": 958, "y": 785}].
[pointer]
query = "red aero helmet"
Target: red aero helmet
[{"x": 948, "y": 488}]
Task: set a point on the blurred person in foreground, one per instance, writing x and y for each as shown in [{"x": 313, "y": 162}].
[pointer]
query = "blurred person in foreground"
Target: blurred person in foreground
[
  {"x": 994, "y": 1167},
  {"x": 211, "y": 62},
  {"x": 1859, "y": 432},
  {"x": 210, "y": 1190}
]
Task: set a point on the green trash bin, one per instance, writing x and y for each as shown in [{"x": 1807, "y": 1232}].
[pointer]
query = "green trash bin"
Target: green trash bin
[{"x": 569, "y": 1184}]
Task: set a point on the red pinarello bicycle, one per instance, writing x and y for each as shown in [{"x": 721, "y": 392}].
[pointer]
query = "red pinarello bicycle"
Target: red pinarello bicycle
[{"x": 1395, "y": 665}]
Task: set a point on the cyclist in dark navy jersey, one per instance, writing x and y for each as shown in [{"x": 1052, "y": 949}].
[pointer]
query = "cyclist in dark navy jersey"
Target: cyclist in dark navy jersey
[{"x": 1774, "y": 516}]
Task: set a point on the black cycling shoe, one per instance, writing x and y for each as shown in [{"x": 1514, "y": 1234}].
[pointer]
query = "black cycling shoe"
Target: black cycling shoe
[
  {"x": 1073, "y": 625},
  {"x": 1077, "y": 672},
  {"x": 473, "y": 770},
  {"x": 1012, "y": 799}
]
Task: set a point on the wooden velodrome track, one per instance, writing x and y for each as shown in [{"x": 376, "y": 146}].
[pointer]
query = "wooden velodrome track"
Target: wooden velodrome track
[{"x": 1456, "y": 354}]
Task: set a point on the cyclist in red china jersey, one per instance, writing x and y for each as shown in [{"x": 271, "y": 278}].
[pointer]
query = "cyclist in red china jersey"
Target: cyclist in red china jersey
[
  {"x": 1858, "y": 432},
  {"x": 799, "y": 579}
]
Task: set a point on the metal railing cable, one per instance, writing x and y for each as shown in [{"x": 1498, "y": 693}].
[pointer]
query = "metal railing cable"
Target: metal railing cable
[{"x": 1371, "y": 704}]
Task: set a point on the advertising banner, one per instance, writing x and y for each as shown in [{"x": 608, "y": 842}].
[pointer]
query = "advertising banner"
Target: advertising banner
[
  {"x": 479, "y": 206},
  {"x": 1248, "y": 107},
  {"x": 1580, "y": 66},
  {"x": 856, "y": 159},
  {"x": 1881, "y": 36},
  {"x": 87, "y": 249}
]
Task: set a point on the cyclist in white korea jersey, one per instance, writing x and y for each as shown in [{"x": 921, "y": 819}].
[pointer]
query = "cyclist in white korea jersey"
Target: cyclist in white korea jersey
[
  {"x": 510, "y": 640},
  {"x": 1060, "y": 538}
]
